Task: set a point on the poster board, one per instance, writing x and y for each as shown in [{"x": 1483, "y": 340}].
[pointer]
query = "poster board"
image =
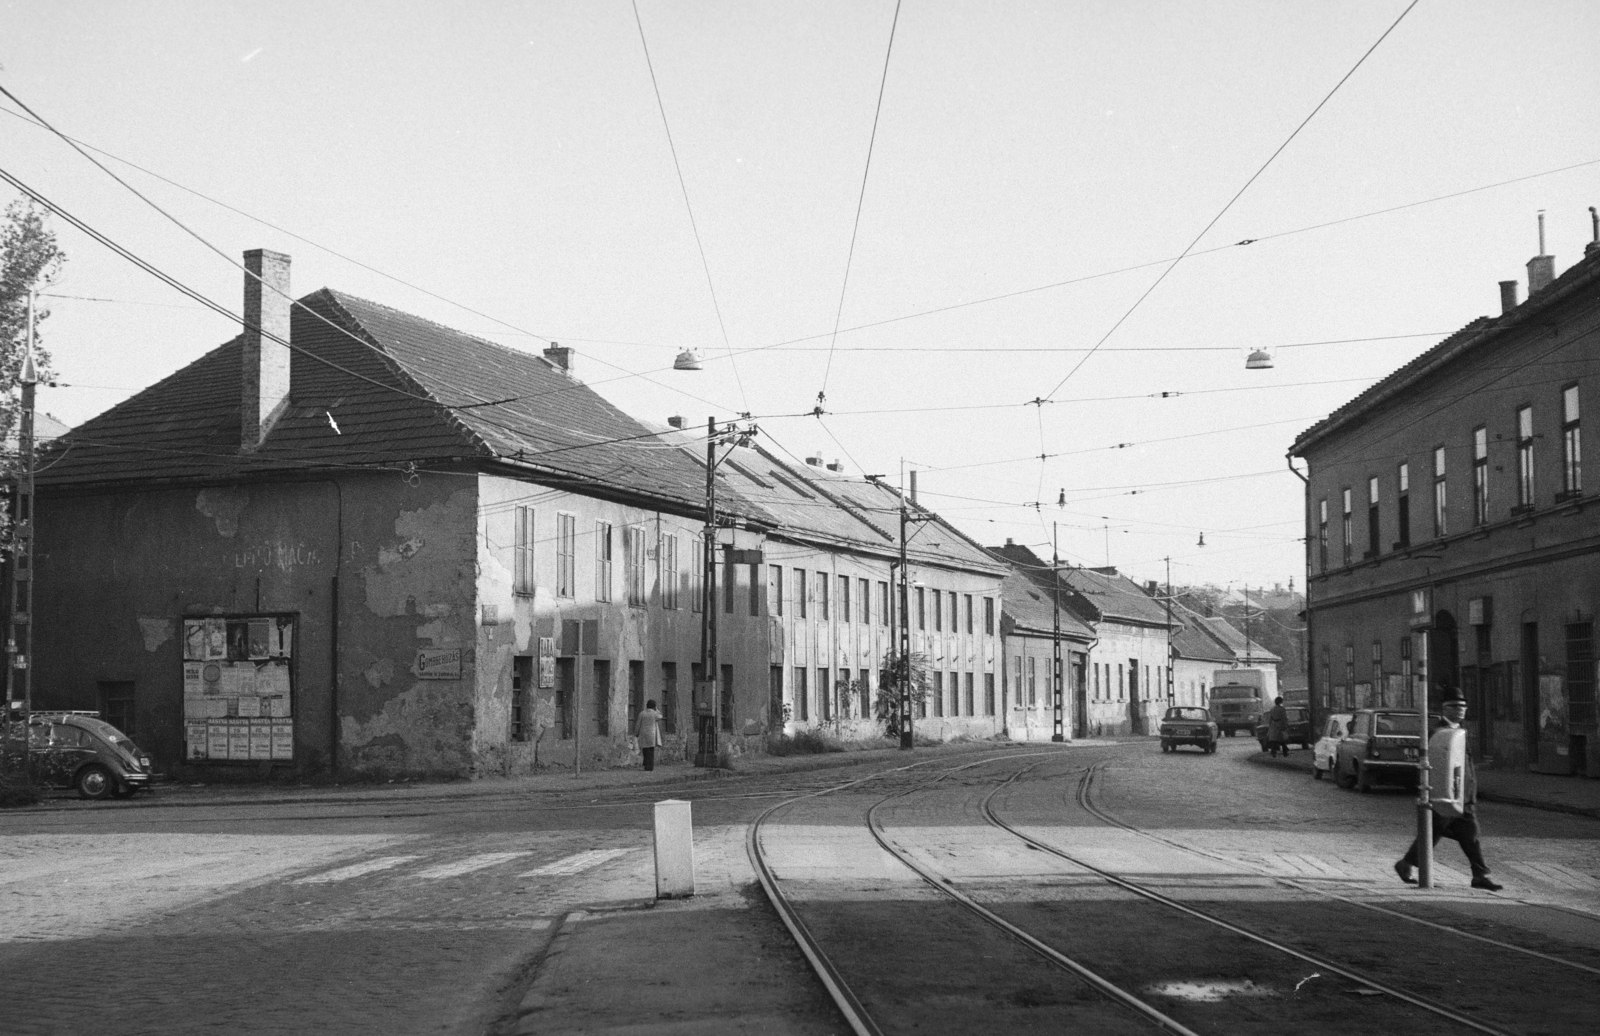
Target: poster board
[{"x": 238, "y": 687}]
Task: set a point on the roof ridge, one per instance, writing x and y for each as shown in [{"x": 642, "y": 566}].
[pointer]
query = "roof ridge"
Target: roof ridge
[{"x": 447, "y": 412}]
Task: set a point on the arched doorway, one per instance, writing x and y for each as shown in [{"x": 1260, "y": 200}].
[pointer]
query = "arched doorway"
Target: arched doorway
[{"x": 1444, "y": 659}]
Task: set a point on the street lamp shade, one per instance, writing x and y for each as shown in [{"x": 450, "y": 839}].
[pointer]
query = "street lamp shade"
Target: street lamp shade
[
  {"x": 1259, "y": 360},
  {"x": 688, "y": 360}
]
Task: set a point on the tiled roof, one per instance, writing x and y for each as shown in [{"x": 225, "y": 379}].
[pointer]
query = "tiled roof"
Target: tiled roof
[
  {"x": 1116, "y": 596},
  {"x": 1477, "y": 333},
  {"x": 384, "y": 388},
  {"x": 1027, "y": 602},
  {"x": 1231, "y": 638},
  {"x": 1193, "y": 640},
  {"x": 409, "y": 391}
]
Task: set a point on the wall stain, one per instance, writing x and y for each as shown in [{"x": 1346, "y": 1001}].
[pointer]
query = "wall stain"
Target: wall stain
[
  {"x": 157, "y": 631},
  {"x": 223, "y": 506}
]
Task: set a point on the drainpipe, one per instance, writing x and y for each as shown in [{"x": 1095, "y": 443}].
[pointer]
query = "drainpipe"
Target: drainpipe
[{"x": 333, "y": 626}]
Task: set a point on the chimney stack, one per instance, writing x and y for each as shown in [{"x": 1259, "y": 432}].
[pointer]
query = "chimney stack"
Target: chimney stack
[
  {"x": 814, "y": 461},
  {"x": 559, "y": 357},
  {"x": 1541, "y": 268},
  {"x": 1508, "y": 296},
  {"x": 675, "y": 421},
  {"x": 836, "y": 465},
  {"x": 913, "y": 485},
  {"x": 264, "y": 363},
  {"x": 1594, "y": 221}
]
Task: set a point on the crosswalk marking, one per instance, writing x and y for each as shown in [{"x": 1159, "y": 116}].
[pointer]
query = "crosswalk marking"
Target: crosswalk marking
[
  {"x": 577, "y": 862},
  {"x": 355, "y": 870},
  {"x": 457, "y": 868}
]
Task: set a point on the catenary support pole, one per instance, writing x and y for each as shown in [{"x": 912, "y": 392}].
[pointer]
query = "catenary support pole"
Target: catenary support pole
[{"x": 1058, "y": 730}]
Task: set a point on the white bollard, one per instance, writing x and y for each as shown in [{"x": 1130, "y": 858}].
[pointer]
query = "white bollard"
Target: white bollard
[{"x": 674, "y": 849}]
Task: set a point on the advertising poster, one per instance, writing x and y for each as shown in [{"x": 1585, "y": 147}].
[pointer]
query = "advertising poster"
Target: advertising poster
[
  {"x": 282, "y": 740},
  {"x": 238, "y": 738},
  {"x": 237, "y": 675},
  {"x": 260, "y": 739}
]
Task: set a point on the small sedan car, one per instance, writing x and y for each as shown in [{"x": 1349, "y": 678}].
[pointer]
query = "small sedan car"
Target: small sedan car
[
  {"x": 1299, "y": 727},
  {"x": 1334, "y": 727},
  {"x": 1188, "y": 725},
  {"x": 1383, "y": 745},
  {"x": 80, "y": 750}
]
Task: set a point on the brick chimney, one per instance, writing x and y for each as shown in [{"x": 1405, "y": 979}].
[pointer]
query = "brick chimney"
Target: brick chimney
[
  {"x": 559, "y": 356},
  {"x": 1508, "y": 296},
  {"x": 264, "y": 366},
  {"x": 1541, "y": 268}
]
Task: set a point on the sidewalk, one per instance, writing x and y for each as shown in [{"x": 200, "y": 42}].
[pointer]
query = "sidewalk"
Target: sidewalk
[
  {"x": 666, "y": 776},
  {"x": 1578, "y": 795}
]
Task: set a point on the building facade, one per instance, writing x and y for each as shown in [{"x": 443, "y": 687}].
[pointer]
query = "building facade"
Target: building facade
[
  {"x": 353, "y": 540},
  {"x": 1453, "y": 541}
]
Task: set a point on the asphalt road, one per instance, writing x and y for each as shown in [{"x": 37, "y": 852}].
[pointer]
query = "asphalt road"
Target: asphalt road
[{"x": 503, "y": 908}]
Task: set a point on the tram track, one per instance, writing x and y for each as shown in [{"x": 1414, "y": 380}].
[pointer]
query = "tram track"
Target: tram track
[
  {"x": 1144, "y": 891},
  {"x": 1085, "y": 798},
  {"x": 855, "y": 1012},
  {"x": 1072, "y": 950}
]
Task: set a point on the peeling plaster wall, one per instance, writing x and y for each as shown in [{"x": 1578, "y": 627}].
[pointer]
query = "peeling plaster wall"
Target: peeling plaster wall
[
  {"x": 813, "y": 643},
  {"x": 511, "y": 623},
  {"x": 412, "y": 578},
  {"x": 118, "y": 571}
]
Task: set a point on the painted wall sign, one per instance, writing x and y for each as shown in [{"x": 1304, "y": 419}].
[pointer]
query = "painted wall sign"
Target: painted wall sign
[{"x": 438, "y": 664}]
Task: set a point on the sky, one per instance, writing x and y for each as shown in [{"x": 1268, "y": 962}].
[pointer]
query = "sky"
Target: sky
[{"x": 1010, "y": 323}]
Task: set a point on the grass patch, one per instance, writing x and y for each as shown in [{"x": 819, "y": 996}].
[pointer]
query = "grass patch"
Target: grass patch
[
  {"x": 16, "y": 792},
  {"x": 803, "y": 742}
]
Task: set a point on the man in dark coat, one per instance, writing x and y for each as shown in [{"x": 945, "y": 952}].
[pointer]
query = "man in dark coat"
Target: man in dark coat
[{"x": 1464, "y": 829}]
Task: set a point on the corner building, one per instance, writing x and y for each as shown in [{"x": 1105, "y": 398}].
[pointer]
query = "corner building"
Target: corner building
[{"x": 1453, "y": 536}]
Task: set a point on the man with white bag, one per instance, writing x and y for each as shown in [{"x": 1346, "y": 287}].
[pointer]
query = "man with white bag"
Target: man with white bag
[{"x": 1453, "y": 796}]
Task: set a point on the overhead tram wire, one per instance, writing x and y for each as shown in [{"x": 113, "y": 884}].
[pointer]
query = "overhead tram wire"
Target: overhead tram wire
[
  {"x": 861, "y": 198},
  {"x": 226, "y": 313},
  {"x": 684, "y": 188},
  {"x": 1237, "y": 195},
  {"x": 857, "y": 327},
  {"x": 38, "y": 120},
  {"x": 784, "y": 345}
]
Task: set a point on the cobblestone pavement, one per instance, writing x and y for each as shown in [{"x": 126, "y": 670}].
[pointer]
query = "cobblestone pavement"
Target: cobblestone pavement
[{"x": 434, "y": 911}]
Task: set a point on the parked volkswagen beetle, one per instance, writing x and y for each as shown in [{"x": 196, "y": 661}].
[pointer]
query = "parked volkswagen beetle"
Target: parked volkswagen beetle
[
  {"x": 80, "y": 750},
  {"x": 1188, "y": 725}
]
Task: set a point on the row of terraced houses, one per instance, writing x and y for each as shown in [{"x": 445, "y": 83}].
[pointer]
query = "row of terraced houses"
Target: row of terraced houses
[{"x": 354, "y": 540}]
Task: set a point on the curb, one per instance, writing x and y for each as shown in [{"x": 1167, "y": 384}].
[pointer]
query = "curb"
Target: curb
[
  {"x": 1551, "y": 807},
  {"x": 1483, "y": 796}
]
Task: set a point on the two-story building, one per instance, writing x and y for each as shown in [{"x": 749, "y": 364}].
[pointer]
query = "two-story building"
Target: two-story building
[
  {"x": 355, "y": 540},
  {"x": 1452, "y": 537}
]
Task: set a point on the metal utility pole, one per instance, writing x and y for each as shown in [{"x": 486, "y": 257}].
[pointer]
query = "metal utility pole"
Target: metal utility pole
[
  {"x": 20, "y": 675},
  {"x": 1058, "y": 732},
  {"x": 708, "y": 715},
  {"x": 906, "y": 741},
  {"x": 1424, "y": 807},
  {"x": 1171, "y": 654}
]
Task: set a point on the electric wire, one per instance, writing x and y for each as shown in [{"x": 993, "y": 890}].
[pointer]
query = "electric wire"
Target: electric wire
[
  {"x": 861, "y": 198},
  {"x": 684, "y": 188},
  {"x": 1253, "y": 177}
]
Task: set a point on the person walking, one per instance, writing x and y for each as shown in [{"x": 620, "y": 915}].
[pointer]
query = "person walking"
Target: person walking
[
  {"x": 1464, "y": 829},
  {"x": 648, "y": 729},
  {"x": 1278, "y": 728}
]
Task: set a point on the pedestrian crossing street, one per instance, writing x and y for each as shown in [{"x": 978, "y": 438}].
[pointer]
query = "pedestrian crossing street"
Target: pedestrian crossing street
[{"x": 399, "y": 865}]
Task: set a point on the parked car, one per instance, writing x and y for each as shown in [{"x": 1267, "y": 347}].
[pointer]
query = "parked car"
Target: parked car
[
  {"x": 1323, "y": 754},
  {"x": 1382, "y": 745},
  {"x": 1188, "y": 725},
  {"x": 1299, "y": 727},
  {"x": 80, "y": 750}
]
